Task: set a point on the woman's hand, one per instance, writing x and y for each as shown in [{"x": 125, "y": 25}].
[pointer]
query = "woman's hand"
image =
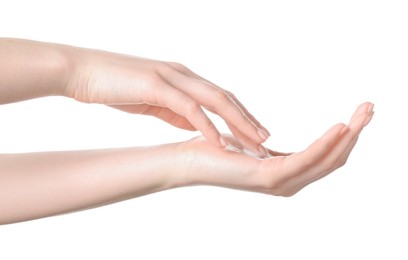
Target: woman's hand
[
  {"x": 166, "y": 90},
  {"x": 280, "y": 174},
  {"x": 37, "y": 185}
]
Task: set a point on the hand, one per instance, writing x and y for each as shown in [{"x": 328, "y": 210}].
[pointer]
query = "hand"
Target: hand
[
  {"x": 166, "y": 90},
  {"x": 78, "y": 180},
  {"x": 280, "y": 174}
]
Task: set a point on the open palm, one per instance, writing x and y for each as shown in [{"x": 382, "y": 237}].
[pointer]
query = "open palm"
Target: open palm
[{"x": 280, "y": 174}]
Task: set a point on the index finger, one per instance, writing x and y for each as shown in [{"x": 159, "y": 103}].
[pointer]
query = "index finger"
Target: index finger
[
  {"x": 183, "y": 105},
  {"x": 218, "y": 101}
]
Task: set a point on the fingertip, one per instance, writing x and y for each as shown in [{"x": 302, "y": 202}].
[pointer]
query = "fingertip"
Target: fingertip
[
  {"x": 262, "y": 153},
  {"x": 361, "y": 109},
  {"x": 223, "y": 142},
  {"x": 366, "y": 107},
  {"x": 363, "y": 117},
  {"x": 370, "y": 107},
  {"x": 262, "y": 134},
  {"x": 266, "y": 131}
]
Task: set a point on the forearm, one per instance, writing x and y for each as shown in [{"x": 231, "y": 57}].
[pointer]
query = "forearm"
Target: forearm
[
  {"x": 43, "y": 184},
  {"x": 31, "y": 69}
]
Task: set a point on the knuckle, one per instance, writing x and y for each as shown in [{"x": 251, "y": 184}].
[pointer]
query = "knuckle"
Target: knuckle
[
  {"x": 334, "y": 164},
  {"x": 192, "y": 108},
  {"x": 315, "y": 158},
  {"x": 162, "y": 68},
  {"x": 308, "y": 162},
  {"x": 222, "y": 97},
  {"x": 342, "y": 162},
  {"x": 152, "y": 76},
  {"x": 155, "y": 80},
  {"x": 177, "y": 66},
  {"x": 230, "y": 94}
]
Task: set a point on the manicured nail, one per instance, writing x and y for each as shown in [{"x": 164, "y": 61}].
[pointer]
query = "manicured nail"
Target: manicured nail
[
  {"x": 266, "y": 131},
  {"x": 370, "y": 108},
  {"x": 223, "y": 142},
  {"x": 262, "y": 134}
]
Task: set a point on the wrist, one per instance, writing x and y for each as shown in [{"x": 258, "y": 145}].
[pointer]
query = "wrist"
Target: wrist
[{"x": 71, "y": 63}]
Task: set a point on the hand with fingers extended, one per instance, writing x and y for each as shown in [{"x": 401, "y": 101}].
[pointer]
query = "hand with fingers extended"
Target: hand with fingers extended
[
  {"x": 280, "y": 174},
  {"x": 62, "y": 182},
  {"x": 166, "y": 90}
]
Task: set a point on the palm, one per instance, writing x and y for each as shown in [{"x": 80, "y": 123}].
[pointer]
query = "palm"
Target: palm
[{"x": 280, "y": 174}]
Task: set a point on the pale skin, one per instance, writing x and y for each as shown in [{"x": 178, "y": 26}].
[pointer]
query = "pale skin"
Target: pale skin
[{"x": 36, "y": 185}]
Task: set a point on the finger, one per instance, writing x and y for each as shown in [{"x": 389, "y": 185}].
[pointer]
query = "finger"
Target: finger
[
  {"x": 233, "y": 141},
  {"x": 185, "y": 106},
  {"x": 170, "y": 117},
  {"x": 288, "y": 174},
  {"x": 276, "y": 153},
  {"x": 340, "y": 153},
  {"x": 249, "y": 144},
  {"x": 186, "y": 71},
  {"x": 316, "y": 174},
  {"x": 296, "y": 185},
  {"x": 218, "y": 101},
  {"x": 350, "y": 147},
  {"x": 162, "y": 113},
  {"x": 338, "y": 156},
  {"x": 249, "y": 115},
  {"x": 258, "y": 150},
  {"x": 298, "y": 163},
  {"x": 365, "y": 107},
  {"x": 357, "y": 122},
  {"x": 353, "y": 143}
]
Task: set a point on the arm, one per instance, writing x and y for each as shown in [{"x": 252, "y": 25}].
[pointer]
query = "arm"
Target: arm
[
  {"x": 31, "y": 69},
  {"x": 36, "y": 185},
  {"x": 166, "y": 90},
  {"x": 44, "y": 184}
]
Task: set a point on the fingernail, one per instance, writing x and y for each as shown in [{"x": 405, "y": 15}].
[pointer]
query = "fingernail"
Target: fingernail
[
  {"x": 223, "y": 142},
  {"x": 370, "y": 108},
  {"x": 262, "y": 134},
  {"x": 266, "y": 131}
]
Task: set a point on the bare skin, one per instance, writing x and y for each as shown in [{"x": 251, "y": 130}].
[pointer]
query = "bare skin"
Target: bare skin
[
  {"x": 166, "y": 90},
  {"x": 37, "y": 185}
]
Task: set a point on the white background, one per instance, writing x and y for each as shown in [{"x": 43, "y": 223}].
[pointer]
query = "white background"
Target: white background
[{"x": 299, "y": 66}]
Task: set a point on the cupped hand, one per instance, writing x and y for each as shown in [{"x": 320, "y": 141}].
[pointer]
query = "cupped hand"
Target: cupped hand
[
  {"x": 166, "y": 90},
  {"x": 280, "y": 174}
]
